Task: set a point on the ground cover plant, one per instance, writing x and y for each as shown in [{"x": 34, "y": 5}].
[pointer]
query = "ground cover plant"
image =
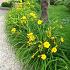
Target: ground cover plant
[{"x": 39, "y": 45}]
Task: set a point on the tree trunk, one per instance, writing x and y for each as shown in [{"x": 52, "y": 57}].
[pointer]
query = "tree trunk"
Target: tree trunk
[{"x": 44, "y": 6}]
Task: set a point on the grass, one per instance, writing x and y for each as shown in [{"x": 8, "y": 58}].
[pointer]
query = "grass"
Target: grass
[{"x": 58, "y": 14}]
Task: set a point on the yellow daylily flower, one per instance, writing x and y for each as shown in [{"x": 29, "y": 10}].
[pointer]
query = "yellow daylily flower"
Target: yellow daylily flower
[
  {"x": 46, "y": 44},
  {"x": 33, "y": 15},
  {"x": 43, "y": 56},
  {"x": 24, "y": 19},
  {"x": 39, "y": 22},
  {"x": 13, "y": 30},
  {"x": 31, "y": 37},
  {"x": 54, "y": 50}
]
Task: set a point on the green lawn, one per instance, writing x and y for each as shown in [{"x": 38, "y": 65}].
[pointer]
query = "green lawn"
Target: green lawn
[{"x": 58, "y": 12}]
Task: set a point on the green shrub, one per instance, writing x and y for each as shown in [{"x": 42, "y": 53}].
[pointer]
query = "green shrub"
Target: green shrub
[
  {"x": 67, "y": 4},
  {"x": 6, "y": 4},
  {"x": 38, "y": 45},
  {"x": 52, "y": 2}
]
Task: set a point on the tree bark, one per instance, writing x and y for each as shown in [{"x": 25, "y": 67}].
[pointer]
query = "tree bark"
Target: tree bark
[{"x": 44, "y": 6}]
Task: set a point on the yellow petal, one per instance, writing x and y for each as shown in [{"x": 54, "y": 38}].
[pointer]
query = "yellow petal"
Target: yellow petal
[{"x": 43, "y": 57}]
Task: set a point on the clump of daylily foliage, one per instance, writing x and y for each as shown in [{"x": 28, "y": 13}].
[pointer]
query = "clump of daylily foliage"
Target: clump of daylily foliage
[{"x": 37, "y": 44}]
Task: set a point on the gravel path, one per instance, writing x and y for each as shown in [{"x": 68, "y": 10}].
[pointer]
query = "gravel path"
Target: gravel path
[{"x": 7, "y": 57}]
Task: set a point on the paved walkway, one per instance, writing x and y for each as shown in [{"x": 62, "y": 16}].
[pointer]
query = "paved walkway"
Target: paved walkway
[{"x": 7, "y": 57}]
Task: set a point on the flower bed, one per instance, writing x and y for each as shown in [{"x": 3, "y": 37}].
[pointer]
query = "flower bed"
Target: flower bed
[{"x": 37, "y": 44}]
